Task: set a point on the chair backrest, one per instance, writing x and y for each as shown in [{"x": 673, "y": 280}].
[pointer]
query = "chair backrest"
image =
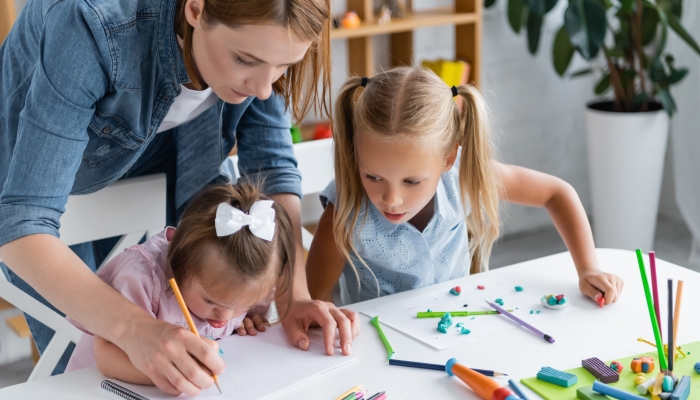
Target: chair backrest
[{"x": 130, "y": 208}]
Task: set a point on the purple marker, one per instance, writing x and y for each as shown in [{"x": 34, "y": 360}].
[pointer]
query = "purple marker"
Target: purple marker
[{"x": 521, "y": 323}]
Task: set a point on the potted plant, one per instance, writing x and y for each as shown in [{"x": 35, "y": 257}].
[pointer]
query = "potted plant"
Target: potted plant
[{"x": 624, "y": 42}]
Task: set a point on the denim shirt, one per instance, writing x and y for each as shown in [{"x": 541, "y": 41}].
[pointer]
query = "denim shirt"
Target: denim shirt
[
  {"x": 84, "y": 85},
  {"x": 400, "y": 256}
]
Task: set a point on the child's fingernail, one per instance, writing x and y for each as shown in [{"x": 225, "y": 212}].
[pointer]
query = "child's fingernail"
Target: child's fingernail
[
  {"x": 329, "y": 350},
  {"x": 302, "y": 344},
  {"x": 348, "y": 348}
]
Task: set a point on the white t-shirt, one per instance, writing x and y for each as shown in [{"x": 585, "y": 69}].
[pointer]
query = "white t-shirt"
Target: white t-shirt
[{"x": 188, "y": 106}]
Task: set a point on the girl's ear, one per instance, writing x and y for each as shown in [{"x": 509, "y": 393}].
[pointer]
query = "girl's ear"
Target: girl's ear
[
  {"x": 451, "y": 157},
  {"x": 193, "y": 12}
]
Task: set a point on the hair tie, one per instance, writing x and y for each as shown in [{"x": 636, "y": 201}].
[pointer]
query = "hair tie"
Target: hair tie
[
  {"x": 365, "y": 80},
  {"x": 454, "y": 91},
  {"x": 260, "y": 220}
]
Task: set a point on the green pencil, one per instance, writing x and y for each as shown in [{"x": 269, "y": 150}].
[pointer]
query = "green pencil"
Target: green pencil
[
  {"x": 652, "y": 314},
  {"x": 439, "y": 314},
  {"x": 389, "y": 351}
]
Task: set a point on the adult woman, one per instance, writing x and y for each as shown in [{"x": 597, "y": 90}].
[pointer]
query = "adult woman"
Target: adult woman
[{"x": 91, "y": 92}]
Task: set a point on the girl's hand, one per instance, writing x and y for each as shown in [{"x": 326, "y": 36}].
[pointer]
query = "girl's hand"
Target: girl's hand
[
  {"x": 596, "y": 283},
  {"x": 175, "y": 360},
  {"x": 251, "y": 323}
]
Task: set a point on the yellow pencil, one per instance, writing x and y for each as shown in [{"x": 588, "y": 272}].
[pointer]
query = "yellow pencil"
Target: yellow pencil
[
  {"x": 346, "y": 394},
  {"x": 677, "y": 312},
  {"x": 188, "y": 317}
]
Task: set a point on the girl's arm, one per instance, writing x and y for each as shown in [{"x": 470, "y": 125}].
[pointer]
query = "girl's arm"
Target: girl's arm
[
  {"x": 325, "y": 262},
  {"x": 114, "y": 363},
  {"x": 532, "y": 188}
]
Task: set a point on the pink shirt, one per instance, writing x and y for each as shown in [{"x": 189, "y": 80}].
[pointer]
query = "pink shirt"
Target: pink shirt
[{"x": 141, "y": 273}]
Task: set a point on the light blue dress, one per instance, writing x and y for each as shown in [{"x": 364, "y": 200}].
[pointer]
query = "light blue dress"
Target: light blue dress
[{"x": 401, "y": 257}]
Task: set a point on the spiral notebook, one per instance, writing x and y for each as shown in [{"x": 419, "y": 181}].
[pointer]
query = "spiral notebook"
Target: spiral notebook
[{"x": 257, "y": 367}]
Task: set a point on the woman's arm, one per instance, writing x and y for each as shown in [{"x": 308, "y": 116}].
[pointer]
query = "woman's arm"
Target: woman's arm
[
  {"x": 532, "y": 188},
  {"x": 169, "y": 355},
  {"x": 325, "y": 263},
  {"x": 114, "y": 363}
]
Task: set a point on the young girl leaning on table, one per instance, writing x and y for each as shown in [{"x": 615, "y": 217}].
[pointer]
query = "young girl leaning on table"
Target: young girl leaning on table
[
  {"x": 226, "y": 256},
  {"x": 416, "y": 192}
]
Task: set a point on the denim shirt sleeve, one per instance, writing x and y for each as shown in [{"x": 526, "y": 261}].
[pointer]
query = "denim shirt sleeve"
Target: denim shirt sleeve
[
  {"x": 265, "y": 150},
  {"x": 69, "y": 76}
]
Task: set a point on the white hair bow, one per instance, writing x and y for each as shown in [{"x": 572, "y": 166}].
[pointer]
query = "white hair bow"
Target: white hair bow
[{"x": 260, "y": 220}]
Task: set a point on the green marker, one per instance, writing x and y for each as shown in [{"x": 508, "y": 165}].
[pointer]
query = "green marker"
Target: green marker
[
  {"x": 439, "y": 314},
  {"x": 389, "y": 351}
]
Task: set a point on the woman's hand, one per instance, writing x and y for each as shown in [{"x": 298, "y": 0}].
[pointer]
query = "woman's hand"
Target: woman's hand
[
  {"x": 596, "y": 283},
  {"x": 305, "y": 312},
  {"x": 175, "y": 360},
  {"x": 252, "y": 323}
]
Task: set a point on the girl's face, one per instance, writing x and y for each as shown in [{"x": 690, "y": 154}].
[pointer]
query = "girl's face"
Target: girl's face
[
  {"x": 400, "y": 178},
  {"x": 245, "y": 61},
  {"x": 217, "y": 300}
]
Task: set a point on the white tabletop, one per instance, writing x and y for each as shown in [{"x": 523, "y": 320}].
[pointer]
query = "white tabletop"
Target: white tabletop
[{"x": 585, "y": 331}]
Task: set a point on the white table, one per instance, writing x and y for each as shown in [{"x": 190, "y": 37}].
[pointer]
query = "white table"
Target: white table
[{"x": 585, "y": 332}]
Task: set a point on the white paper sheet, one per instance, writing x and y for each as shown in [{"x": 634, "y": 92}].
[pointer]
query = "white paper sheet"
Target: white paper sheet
[
  {"x": 401, "y": 314},
  {"x": 257, "y": 367}
]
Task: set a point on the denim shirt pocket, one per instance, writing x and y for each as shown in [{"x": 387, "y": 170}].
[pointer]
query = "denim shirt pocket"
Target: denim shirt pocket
[{"x": 110, "y": 138}]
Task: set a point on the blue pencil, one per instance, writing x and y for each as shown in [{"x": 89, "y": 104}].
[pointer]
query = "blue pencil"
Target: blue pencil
[
  {"x": 439, "y": 367},
  {"x": 517, "y": 389}
]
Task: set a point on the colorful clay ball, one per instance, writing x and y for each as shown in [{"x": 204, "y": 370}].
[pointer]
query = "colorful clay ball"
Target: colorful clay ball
[
  {"x": 456, "y": 290},
  {"x": 518, "y": 288},
  {"x": 642, "y": 364},
  {"x": 465, "y": 331},
  {"x": 499, "y": 302},
  {"x": 480, "y": 287},
  {"x": 616, "y": 366},
  {"x": 668, "y": 384},
  {"x": 697, "y": 367},
  {"x": 551, "y": 300}
]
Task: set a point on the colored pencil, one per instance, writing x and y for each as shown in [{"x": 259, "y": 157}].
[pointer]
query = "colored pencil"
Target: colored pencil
[
  {"x": 439, "y": 314},
  {"x": 389, "y": 350},
  {"x": 671, "y": 351},
  {"x": 376, "y": 396},
  {"x": 522, "y": 323},
  {"x": 655, "y": 290},
  {"x": 349, "y": 392},
  {"x": 517, "y": 389},
  {"x": 188, "y": 318},
  {"x": 439, "y": 367},
  {"x": 652, "y": 316},
  {"x": 677, "y": 312}
]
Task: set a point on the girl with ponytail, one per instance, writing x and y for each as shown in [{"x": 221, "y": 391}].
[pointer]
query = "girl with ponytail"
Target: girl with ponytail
[{"x": 416, "y": 192}]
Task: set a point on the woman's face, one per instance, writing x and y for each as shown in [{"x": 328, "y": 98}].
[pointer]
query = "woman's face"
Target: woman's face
[{"x": 241, "y": 62}]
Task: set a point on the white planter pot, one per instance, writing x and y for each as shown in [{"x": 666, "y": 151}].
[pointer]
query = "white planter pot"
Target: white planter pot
[{"x": 625, "y": 161}]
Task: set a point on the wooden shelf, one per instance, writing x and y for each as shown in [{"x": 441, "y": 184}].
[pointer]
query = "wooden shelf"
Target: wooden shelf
[{"x": 418, "y": 19}]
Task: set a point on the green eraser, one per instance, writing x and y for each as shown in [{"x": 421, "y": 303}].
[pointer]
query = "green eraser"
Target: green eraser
[{"x": 587, "y": 393}]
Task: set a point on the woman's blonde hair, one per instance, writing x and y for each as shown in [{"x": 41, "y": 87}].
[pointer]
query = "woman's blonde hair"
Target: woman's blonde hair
[
  {"x": 307, "y": 20},
  {"x": 410, "y": 103},
  {"x": 248, "y": 256}
]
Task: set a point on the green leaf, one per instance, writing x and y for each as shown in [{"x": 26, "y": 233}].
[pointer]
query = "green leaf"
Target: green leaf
[
  {"x": 489, "y": 3},
  {"x": 666, "y": 101},
  {"x": 650, "y": 20},
  {"x": 581, "y": 72},
  {"x": 675, "y": 24},
  {"x": 541, "y": 7},
  {"x": 585, "y": 22},
  {"x": 615, "y": 52},
  {"x": 562, "y": 51},
  {"x": 639, "y": 98},
  {"x": 515, "y": 14},
  {"x": 657, "y": 73},
  {"x": 534, "y": 28},
  {"x": 603, "y": 85},
  {"x": 677, "y": 75},
  {"x": 627, "y": 6}
]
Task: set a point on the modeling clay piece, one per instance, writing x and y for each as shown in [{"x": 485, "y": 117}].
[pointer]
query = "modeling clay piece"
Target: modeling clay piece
[
  {"x": 667, "y": 385},
  {"x": 656, "y": 389},
  {"x": 465, "y": 331},
  {"x": 480, "y": 287},
  {"x": 697, "y": 367},
  {"x": 539, "y": 312},
  {"x": 616, "y": 366},
  {"x": 445, "y": 322},
  {"x": 551, "y": 375},
  {"x": 532, "y": 312},
  {"x": 643, "y": 388},
  {"x": 682, "y": 391},
  {"x": 587, "y": 393},
  {"x": 601, "y": 301},
  {"x": 518, "y": 288},
  {"x": 615, "y": 393},
  {"x": 456, "y": 290},
  {"x": 639, "y": 379},
  {"x": 466, "y": 305},
  {"x": 601, "y": 371},
  {"x": 442, "y": 328},
  {"x": 642, "y": 364},
  {"x": 552, "y": 301},
  {"x": 499, "y": 302}
]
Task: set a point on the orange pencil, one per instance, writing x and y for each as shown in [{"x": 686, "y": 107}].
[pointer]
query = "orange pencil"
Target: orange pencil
[
  {"x": 188, "y": 317},
  {"x": 677, "y": 313}
]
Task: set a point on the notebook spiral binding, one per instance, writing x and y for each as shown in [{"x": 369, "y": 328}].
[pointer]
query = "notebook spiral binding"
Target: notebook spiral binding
[{"x": 121, "y": 391}]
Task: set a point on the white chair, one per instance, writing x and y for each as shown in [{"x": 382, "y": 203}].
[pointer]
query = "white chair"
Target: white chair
[{"x": 130, "y": 208}]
